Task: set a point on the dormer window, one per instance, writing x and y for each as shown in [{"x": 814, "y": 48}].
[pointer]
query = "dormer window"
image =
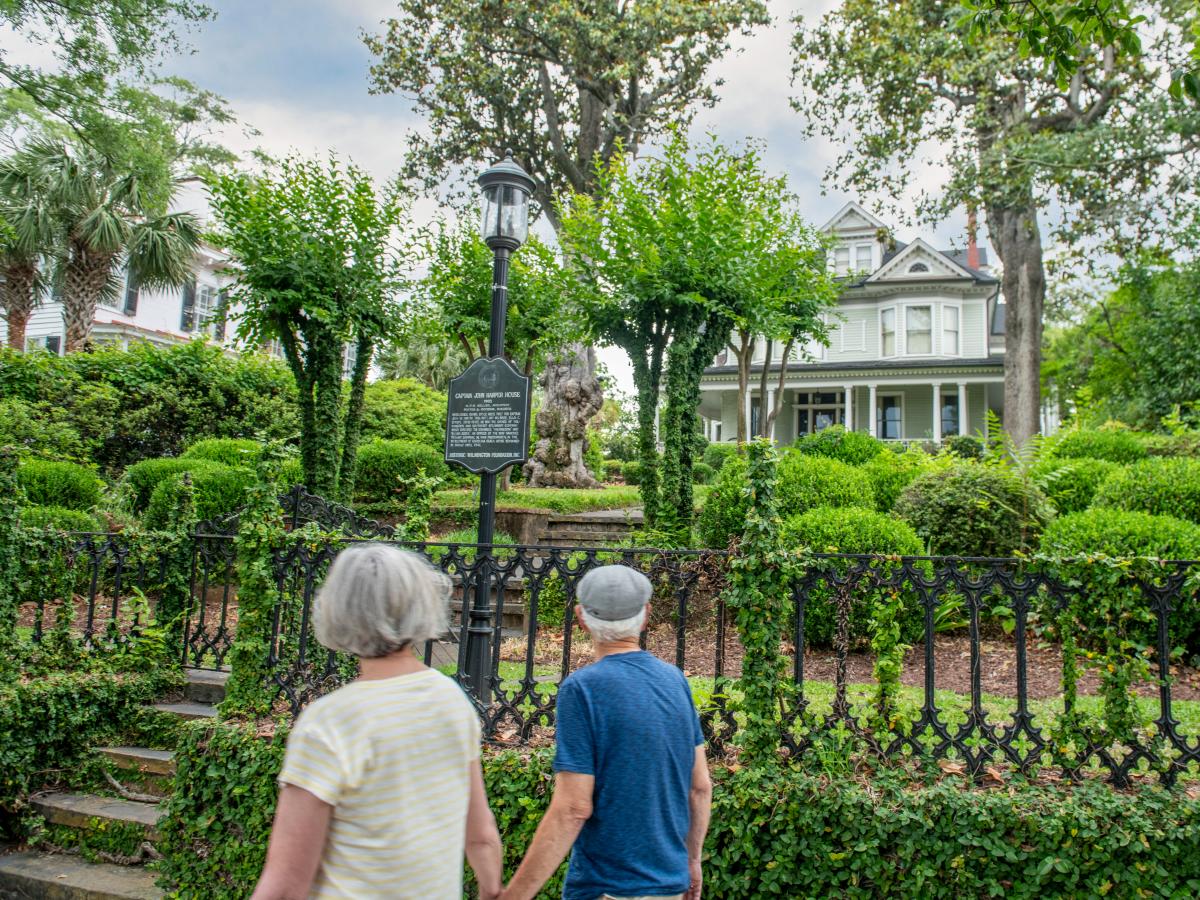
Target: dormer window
[
  {"x": 862, "y": 258},
  {"x": 841, "y": 260},
  {"x": 917, "y": 268}
]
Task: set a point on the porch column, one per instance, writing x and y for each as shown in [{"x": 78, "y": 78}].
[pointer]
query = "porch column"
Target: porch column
[
  {"x": 749, "y": 418},
  {"x": 848, "y": 389},
  {"x": 873, "y": 415},
  {"x": 765, "y": 410},
  {"x": 937, "y": 413},
  {"x": 963, "y": 419}
]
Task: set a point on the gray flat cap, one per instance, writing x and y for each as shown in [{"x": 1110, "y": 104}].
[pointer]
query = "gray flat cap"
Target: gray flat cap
[{"x": 613, "y": 592}]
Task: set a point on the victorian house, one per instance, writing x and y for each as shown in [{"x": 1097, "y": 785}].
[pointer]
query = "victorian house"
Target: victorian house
[{"x": 916, "y": 349}]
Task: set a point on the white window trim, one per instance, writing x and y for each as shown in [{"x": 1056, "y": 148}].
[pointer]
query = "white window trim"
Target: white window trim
[
  {"x": 895, "y": 331},
  {"x": 941, "y": 343},
  {"x": 810, "y": 406},
  {"x": 881, "y": 395}
]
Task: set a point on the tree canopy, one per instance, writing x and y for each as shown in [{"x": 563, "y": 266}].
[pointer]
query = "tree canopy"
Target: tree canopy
[{"x": 317, "y": 271}]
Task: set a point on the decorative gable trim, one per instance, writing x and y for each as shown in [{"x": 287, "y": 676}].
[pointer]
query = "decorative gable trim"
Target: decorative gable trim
[
  {"x": 851, "y": 218},
  {"x": 921, "y": 254}
]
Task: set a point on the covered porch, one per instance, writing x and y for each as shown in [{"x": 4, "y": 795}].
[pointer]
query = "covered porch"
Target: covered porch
[{"x": 891, "y": 409}]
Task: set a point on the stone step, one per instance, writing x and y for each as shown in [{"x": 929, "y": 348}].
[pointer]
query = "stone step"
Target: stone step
[
  {"x": 44, "y": 876},
  {"x": 205, "y": 685},
  {"x": 142, "y": 771},
  {"x": 90, "y": 811},
  {"x": 188, "y": 710},
  {"x": 581, "y": 539}
]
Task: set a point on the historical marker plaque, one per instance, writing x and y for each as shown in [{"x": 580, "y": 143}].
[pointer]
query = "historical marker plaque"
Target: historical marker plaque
[{"x": 487, "y": 420}]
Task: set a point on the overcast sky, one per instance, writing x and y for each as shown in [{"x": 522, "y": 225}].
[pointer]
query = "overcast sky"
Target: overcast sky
[{"x": 296, "y": 70}]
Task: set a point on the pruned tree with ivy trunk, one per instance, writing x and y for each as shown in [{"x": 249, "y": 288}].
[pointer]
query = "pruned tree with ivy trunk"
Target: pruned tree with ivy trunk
[
  {"x": 901, "y": 79},
  {"x": 102, "y": 222},
  {"x": 566, "y": 86},
  {"x": 676, "y": 250},
  {"x": 452, "y": 305},
  {"x": 317, "y": 270}
]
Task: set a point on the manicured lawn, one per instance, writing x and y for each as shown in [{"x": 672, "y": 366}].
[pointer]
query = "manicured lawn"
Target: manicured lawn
[{"x": 559, "y": 500}]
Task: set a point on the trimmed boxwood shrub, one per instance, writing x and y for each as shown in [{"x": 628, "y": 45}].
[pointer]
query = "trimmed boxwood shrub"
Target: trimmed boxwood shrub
[
  {"x": 1106, "y": 594},
  {"x": 776, "y": 831},
  {"x": 49, "y": 483},
  {"x": 614, "y": 469},
  {"x": 702, "y": 473},
  {"x": 973, "y": 510},
  {"x": 217, "y": 491},
  {"x": 964, "y": 446},
  {"x": 60, "y": 518},
  {"x": 291, "y": 473},
  {"x": 228, "y": 451},
  {"x": 1186, "y": 444},
  {"x": 891, "y": 472},
  {"x": 142, "y": 478},
  {"x": 1114, "y": 445},
  {"x": 853, "y": 530},
  {"x": 835, "y": 442},
  {"x": 404, "y": 409},
  {"x": 715, "y": 455},
  {"x": 1071, "y": 484},
  {"x": 383, "y": 465},
  {"x": 806, "y": 482},
  {"x": 725, "y": 509},
  {"x": 1161, "y": 486}
]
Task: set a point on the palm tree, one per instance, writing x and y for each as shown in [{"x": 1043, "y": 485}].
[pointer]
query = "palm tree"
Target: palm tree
[
  {"x": 105, "y": 220},
  {"x": 26, "y": 239}
]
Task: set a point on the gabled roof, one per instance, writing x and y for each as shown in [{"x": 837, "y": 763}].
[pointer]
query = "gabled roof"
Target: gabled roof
[
  {"x": 852, "y": 217},
  {"x": 938, "y": 265}
]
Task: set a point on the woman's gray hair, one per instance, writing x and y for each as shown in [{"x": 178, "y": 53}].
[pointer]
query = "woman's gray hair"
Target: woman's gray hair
[
  {"x": 622, "y": 629},
  {"x": 378, "y": 599}
]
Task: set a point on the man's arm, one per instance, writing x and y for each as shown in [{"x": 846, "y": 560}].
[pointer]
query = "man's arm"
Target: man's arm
[
  {"x": 570, "y": 808},
  {"x": 297, "y": 843},
  {"x": 700, "y": 805},
  {"x": 484, "y": 851}
]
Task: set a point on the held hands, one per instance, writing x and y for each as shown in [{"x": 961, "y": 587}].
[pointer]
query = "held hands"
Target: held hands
[{"x": 697, "y": 880}]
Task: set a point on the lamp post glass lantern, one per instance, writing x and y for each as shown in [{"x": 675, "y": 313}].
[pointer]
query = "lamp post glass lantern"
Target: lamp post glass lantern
[{"x": 504, "y": 225}]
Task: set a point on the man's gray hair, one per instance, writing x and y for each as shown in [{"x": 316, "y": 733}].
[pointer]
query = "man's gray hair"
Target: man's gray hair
[
  {"x": 622, "y": 629},
  {"x": 378, "y": 599}
]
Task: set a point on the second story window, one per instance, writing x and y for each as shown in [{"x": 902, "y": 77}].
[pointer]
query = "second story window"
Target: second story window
[
  {"x": 887, "y": 332},
  {"x": 950, "y": 331},
  {"x": 862, "y": 258},
  {"x": 841, "y": 260},
  {"x": 131, "y": 295},
  {"x": 918, "y": 330}
]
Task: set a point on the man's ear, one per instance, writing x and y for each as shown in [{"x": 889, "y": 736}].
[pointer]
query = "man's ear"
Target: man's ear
[
  {"x": 579, "y": 618},
  {"x": 646, "y": 620}
]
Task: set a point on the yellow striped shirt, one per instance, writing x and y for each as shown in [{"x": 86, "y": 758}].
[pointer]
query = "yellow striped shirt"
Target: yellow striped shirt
[{"x": 391, "y": 757}]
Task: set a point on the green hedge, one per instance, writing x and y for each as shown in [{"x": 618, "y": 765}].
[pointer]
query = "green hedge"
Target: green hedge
[
  {"x": 716, "y": 455},
  {"x": 228, "y": 451},
  {"x": 973, "y": 510},
  {"x": 60, "y": 518},
  {"x": 890, "y": 473},
  {"x": 51, "y": 723},
  {"x": 383, "y": 465},
  {"x": 142, "y": 478},
  {"x": 964, "y": 446},
  {"x": 807, "y": 482},
  {"x": 703, "y": 473},
  {"x": 48, "y": 483},
  {"x": 404, "y": 410},
  {"x": 775, "y": 832},
  {"x": 723, "y": 515},
  {"x": 1114, "y": 445},
  {"x": 1071, "y": 484},
  {"x": 217, "y": 491},
  {"x": 853, "y": 530},
  {"x": 835, "y": 442},
  {"x": 1162, "y": 486}
]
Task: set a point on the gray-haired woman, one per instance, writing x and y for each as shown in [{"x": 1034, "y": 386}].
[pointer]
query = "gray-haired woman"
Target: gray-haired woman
[{"x": 381, "y": 790}]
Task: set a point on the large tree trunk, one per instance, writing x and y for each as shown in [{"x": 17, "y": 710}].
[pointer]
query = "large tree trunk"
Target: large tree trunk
[
  {"x": 764, "y": 425},
  {"x": 783, "y": 372},
  {"x": 84, "y": 281},
  {"x": 571, "y": 396},
  {"x": 1018, "y": 242},
  {"x": 323, "y": 352},
  {"x": 743, "y": 352},
  {"x": 352, "y": 428},
  {"x": 647, "y": 377},
  {"x": 18, "y": 295}
]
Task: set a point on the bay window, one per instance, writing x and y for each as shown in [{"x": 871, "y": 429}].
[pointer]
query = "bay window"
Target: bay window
[
  {"x": 887, "y": 332},
  {"x": 950, "y": 331},
  {"x": 918, "y": 330}
]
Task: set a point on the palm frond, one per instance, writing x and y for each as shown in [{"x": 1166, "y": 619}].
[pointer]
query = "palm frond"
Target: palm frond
[{"x": 163, "y": 249}]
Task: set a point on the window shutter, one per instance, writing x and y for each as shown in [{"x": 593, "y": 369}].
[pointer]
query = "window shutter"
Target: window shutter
[
  {"x": 131, "y": 294},
  {"x": 187, "y": 321},
  {"x": 221, "y": 316}
]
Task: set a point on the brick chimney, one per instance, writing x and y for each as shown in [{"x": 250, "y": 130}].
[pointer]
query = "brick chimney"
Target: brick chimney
[{"x": 972, "y": 239}]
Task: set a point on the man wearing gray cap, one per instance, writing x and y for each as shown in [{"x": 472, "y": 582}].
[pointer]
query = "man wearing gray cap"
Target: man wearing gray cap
[{"x": 631, "y": 790}]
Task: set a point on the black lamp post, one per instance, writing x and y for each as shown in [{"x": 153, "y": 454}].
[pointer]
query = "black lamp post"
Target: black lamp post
[{"x": 504, "y": 226}]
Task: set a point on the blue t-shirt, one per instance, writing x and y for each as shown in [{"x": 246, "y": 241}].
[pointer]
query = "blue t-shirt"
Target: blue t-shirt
[{"x": 629, "y": 720}]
